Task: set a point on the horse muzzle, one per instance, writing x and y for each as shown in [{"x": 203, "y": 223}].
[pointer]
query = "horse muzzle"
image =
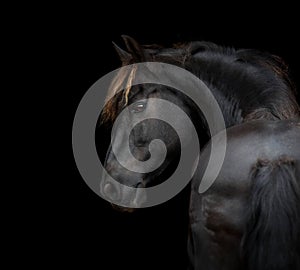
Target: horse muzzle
[{"x": 122, "y": 197}]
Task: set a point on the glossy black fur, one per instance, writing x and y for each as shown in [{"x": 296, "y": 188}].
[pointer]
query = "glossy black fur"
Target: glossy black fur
[
  {"x": 250, "y": 217},
  {"x": 248, "y": 85}
]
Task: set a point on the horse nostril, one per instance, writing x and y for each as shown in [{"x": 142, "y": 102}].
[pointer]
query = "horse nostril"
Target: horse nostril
[
  {"x": 139, "y": 185},
  {"x": 110, "y": 191}
]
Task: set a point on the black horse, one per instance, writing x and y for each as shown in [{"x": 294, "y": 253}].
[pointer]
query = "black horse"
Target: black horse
[
  {"x": 247, "y": 84},
  {"x": 242, "y": 222},
  {"x": 250, "y": 217}
]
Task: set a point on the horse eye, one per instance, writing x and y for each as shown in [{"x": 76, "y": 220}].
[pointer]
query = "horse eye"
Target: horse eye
[{"x": 138, "y": 107}]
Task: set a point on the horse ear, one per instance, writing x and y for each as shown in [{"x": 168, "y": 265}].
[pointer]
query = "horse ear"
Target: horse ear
[
  {"x": 124, "y": 56},
  {"x": 134, "y": 48}
]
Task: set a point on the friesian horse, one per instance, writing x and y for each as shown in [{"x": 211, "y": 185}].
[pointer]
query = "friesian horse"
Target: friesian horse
[{"x": 248, "y": 85}]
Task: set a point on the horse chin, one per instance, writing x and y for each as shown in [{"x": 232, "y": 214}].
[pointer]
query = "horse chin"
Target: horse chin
[{"x": 123, "y": 209}]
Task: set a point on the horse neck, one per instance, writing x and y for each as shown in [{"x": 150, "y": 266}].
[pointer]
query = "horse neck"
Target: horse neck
[
  {"x": 230, "y": 107},
  {"x": 244, "y": 92}
]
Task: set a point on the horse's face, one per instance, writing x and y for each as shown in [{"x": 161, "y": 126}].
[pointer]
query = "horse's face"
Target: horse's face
[
  {"x": 144, "y": 150},
  {"x": 132, "y": 143}
]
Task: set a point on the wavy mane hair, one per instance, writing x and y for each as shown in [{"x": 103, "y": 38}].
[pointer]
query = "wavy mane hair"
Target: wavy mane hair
[{"x": 254, "y": 82}]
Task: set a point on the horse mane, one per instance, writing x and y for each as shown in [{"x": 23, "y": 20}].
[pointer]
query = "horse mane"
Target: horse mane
[
  {"x": 257, "y": 81},
  {"x": 283, "y": 87},
  {"x": 271, "y": 238},
  {"x": 269, "y": 61},
  {"x": 263, "y": 88}
]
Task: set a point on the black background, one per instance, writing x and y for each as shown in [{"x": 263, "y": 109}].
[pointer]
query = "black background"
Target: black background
[{"x": 155, "y": 238}]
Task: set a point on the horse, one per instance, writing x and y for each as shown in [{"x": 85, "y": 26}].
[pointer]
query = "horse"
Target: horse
[
  {"x": 246, "y": 83},
  {"x": 250, "y": 217}
]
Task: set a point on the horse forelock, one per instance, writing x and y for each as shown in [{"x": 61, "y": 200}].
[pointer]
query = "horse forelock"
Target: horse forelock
[{"x": 121, "y": 83}]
